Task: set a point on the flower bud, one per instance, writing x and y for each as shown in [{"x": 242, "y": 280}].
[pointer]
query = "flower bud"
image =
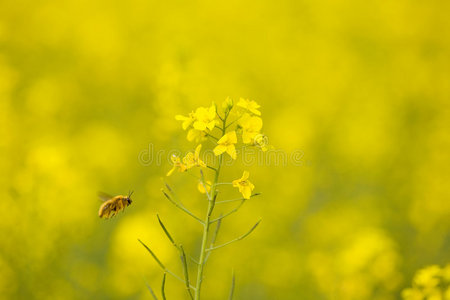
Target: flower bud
[{"x": 227, "y": 105}]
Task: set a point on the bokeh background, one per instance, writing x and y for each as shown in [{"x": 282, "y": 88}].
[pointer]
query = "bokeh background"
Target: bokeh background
[{"x": 360, "y": 88}]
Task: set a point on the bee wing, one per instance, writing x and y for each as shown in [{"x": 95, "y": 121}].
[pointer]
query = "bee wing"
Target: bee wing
[{"x": 104, "y": 196}]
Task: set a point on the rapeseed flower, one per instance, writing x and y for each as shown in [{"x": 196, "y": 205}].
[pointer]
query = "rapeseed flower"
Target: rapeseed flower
[
  {"x": 412, "y": 294},
  {"x": 177, "y": 164},
  {"x": 249, "y": 105},
  {"x": 201, "y": 187},
  {"x": 187, "y": 121},
  {"x": 193, "y": 159},
  {"x": 431, "y": 282},
  {"x": 205, "y": 118},
  {"x": 250, "y": 127},
  {"x": 195, "y": 135},
  {"x": 446, "y": 273},
  {"x": 226, "y": 144},
  {"x": 260, "y": 140},
  {"x": 245, "y": 186},
  {"x": 428, "y": 277},
  {"x": 199, "y": 125}
]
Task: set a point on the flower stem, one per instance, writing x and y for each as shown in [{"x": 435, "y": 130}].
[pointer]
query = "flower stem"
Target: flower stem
[{"x": 206, "y": 222}]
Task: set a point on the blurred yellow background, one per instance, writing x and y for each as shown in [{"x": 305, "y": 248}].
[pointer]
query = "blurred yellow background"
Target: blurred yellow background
[{"x": 360, "y": 88}]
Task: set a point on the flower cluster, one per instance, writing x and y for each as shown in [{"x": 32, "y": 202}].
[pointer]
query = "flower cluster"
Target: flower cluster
[
  {"x": 226, "y": 128},
  {"x": 432, "y": 282},
  {"x": 199, "y": 123},
  {"x": 208, "y": 122}
]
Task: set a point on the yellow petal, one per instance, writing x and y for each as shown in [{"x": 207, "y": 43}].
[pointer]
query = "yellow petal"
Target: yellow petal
[
  {"x": 211, "y": 125},
  {"x": 219, "y": 149},
  {"x": 252, "y": 186},
  {"x": 232, "y": 138},
  {"x": 212, "y": 112},
  {"x": 246, "y": 192},
  {"x": 256, "y": 123},
  {"x": 245, "y": 175},
  {"x": 255, "y": 111},
  {"x": 186, "y": 124},
  {"x": 194, "y": 134},
  {"x": 188, "y": 160},
  {"x": 222, "y": 140},
  {"x": 231, "y": 150},
  {"x": 201, "y": 188},
  {"x": 250, "y": 105},
  {"x": 191, "y": 135},
  {"x": 247, "y": 137},
  {"x": 242, "y": 102},
  {"x": 236, "y": 182},
  {"x": 229, "y": 138},
  {"x": 197, "y": 150},
  {"x": 171, "y": 171},
  {"x": 200, "y": 113},
  {"x": 199, "y": 125}
]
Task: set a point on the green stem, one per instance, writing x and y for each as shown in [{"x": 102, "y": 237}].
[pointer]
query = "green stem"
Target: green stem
[{"x": 206, "y": 222}]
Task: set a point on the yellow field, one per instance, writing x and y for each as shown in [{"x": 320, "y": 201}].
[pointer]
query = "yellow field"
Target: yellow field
[{"x": 355, "y": 100}]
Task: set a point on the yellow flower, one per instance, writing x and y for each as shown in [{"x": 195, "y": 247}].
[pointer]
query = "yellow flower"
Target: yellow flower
[
  {"x": 205, "y": 118},
  {"x": 195, "y": 135},
  {"x": 226, "y": 144},
  {"x": 177, "y": 164},
  {"x": 245, "y": 186},
  {"x": 250, "y": 105},
  {"x": 201, "y": 188},
  {"x": 428, "y": 276},
  {"x": 250, "y": 127},
  {"x": 446, "y": 273},
  {"x": 193, "y": 159},
  {"x": 260, "y": 140},
  {"x": 412, "y": 294},
  {"x": 187, "y": 121}
]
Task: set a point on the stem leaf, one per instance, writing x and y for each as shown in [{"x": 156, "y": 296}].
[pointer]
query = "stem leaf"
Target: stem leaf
[
  {"x": 236, "y": 239},
  {"x": 185, "y": 270},
  {"x": 151, "y": 291},
  {"x": 233, "y": 281},
  {"x": 153, "y": 255},
  {"x": 165, "y": 230},
  {"x": 181, "y": 207},
  {"x": 163, "y": 285}
]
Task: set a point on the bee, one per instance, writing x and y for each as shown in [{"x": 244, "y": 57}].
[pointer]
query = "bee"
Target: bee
[{"x": 113, "y": 205}]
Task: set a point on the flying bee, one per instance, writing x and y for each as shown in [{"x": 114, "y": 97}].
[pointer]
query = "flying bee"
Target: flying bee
[{"x": 113, "y": 205}]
